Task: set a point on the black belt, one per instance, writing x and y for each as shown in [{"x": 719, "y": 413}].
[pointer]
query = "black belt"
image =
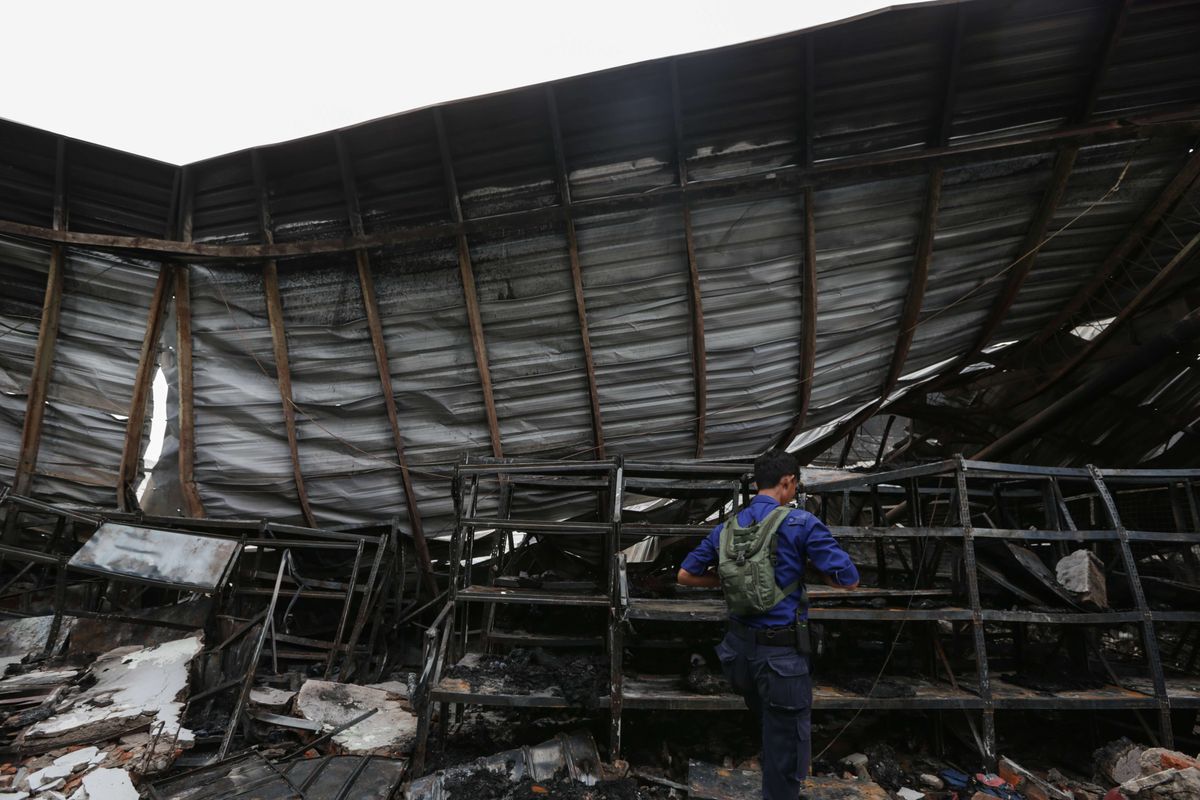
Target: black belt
[{"x": 778, "y": 637}]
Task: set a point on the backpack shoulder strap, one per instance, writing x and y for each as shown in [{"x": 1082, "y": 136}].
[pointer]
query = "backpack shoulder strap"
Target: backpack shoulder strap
[{"x": 777, "y": 518}]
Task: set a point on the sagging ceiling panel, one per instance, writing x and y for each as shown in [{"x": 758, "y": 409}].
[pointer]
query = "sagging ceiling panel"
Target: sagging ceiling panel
[{"x": 693, "y": 257}]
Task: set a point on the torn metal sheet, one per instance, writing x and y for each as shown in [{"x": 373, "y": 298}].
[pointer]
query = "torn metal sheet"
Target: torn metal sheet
[
  {"x": 167, "y": 558},
  {"x": 251, "y": 776},
  {"x": 574, "y": 756}
]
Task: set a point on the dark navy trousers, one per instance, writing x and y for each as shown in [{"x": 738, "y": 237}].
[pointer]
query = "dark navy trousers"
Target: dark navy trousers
[{"x": 777, "y": 687}]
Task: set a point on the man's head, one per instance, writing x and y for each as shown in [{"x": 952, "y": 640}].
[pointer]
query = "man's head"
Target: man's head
[{"x": 777, "y": 472}]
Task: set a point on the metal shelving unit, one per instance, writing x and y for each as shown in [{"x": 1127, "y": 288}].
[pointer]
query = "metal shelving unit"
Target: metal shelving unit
[{"x": 957, "y": 559}]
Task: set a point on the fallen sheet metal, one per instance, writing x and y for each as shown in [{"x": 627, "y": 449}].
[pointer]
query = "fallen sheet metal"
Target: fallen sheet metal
[
  {"x": 710, "y": 782},
  {"x": 392, "y": 729},
  {"x": 574, "y": 756},
  {"x": 164, "y": 558},
  {"x": 133, "y": 689},
  {"x": 252, "y": 776}
]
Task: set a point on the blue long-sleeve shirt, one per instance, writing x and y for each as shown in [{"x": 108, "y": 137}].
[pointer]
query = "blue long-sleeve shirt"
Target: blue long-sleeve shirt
[{"x": 802, "y": 538}]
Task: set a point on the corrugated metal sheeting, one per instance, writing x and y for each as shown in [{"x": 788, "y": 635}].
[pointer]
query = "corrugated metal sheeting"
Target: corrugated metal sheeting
[{"x": 850, "y": 115}]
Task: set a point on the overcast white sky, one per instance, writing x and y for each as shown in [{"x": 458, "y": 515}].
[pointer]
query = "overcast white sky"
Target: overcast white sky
[{"x": 182, "y": 81}]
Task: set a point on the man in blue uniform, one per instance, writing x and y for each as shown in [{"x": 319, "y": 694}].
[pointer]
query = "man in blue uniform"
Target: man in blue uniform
[{"x": 766, "y": 657}]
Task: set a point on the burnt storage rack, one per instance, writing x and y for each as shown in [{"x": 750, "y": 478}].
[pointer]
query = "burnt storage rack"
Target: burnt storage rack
[
  {"x": 960, "y": 609},
  {"x": 1010, "y": 624},
  {"x": 646, "y": 616},
  {"x": 876, "y": 603},
  {"x": 528, "y": 501}
]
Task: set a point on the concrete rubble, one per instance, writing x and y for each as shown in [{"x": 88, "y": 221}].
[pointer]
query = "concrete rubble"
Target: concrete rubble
[{"x": 1082, "y": 574}]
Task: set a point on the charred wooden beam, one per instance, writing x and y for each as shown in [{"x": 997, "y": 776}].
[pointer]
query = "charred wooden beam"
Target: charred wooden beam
[
  {"x": 1181, "y": 336},
  {"x": 808, "y": 319},
  {"x": 807, "y": 94},
  {"x": 283, "y": 371},
  {"x": 467, "y": 272},
  {"x": 183, "y": 356},
  {"x": 1184, "y": 257},
  {"x": 910, "y": 316},
  {"x": 784, "y": 180},
  {"x": 564, "y": 194},
  {"x": 695, "y": 296},
  {"x": 1031, "y": 245},
  {"x": 944, "y": 122},
  {"x": 1118, "y": 15},
  {"x": 1183, "y": 181},
  {"x": 187, "y": 409},
  {"x": 131, "y": 452},
  {"x": 382, "y": 364},
  {"x": 43, "y": 357}
]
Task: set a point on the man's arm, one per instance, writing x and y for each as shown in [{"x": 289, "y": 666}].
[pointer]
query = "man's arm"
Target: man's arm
[
  {"x": 697, "y": 568},
  {"x": 827, "y": 557},
  {"x": 708, "y": 580}
]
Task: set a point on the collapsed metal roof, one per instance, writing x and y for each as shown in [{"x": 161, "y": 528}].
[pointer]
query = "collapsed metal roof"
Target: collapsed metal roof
[{"x": 688, "y": 258}]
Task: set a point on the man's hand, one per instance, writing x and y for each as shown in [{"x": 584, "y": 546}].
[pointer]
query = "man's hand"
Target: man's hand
[
  {"x": 709, "y": 580},
  {"x": 829, "y": 581}
]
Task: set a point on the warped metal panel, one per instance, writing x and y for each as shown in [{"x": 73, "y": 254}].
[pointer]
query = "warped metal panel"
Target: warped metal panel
[
  {"x": 299, "y": 178},
  {"x": 741, "y": 116},
  {"x": 345, "y": 443},
  {"x": 243, "y": 466},
  {"x": 23, "y": 269},
  {"x": 1155, "y": 64},
  {"x": 434, "y": 376},
  {"x": 862, "y": 103},
  {"x": 1090, "y": 221},
  {"x": 535, "y": 351},
  {"x": 750, "y": 258},
  {"x": 508, "y": 164},
  {"x": 618, "y": 132},
  {"x": 635, "y": 279},
  {"x": 106, "y": 299},
  {"x": 984, "y": 215},
  {"x": 114, "y": 192},
  {"x": 169, "y": 558},
  {"x": 866, "y": 244},
  {"x": 27, "y": 168},
  {"x": 1025, "y": 65},
  {"x": 225, "y": 204},
  {"x": 398, "y": 171}
]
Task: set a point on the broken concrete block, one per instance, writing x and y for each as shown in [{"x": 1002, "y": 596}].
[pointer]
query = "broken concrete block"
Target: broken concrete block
[
  {"x": 1118, "y": 762},
  {"x": 1082, "y": 574},
  {"x": 1157, "y": 759},
  {"x": 81, "y": 758},
  {"x": 1174, "y": 784},
  {"x": 110, "y": 784},
  {"x": 133, "y": 688},
  {"x": 391, "y": 729}
]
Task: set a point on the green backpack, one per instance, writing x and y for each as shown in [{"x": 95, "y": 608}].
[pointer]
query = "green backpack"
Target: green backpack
[{"x": 746, "y": 564}]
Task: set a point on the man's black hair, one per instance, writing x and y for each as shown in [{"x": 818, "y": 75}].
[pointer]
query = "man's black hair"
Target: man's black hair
[{"x": 773, "y": 466}]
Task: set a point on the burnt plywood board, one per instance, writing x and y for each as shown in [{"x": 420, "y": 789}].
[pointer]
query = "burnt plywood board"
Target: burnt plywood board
[{"x": 149, "y": 555}]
